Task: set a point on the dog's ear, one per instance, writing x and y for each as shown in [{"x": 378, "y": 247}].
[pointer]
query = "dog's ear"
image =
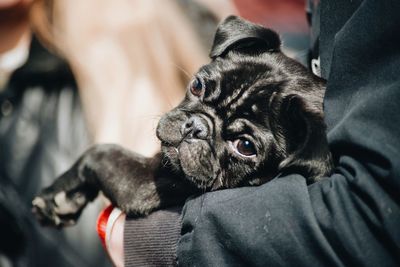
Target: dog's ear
[
  {"x": 299, "y": 130},
  {"x": 236, "y": 33}
]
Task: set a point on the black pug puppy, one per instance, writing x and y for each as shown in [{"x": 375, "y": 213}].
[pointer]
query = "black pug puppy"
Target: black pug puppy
[{"x": 248, "y": 116}]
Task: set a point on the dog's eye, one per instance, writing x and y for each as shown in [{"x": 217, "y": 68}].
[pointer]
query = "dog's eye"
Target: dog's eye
[
  {"x": 244, "y": 147},
  {"x": 196, "y": 88}
]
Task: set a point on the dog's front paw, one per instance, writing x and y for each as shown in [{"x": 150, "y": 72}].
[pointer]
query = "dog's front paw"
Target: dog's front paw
[{"x": 58, "y": 209}]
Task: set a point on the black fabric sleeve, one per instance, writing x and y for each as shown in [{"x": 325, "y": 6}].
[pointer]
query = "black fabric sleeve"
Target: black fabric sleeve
[
  {"x": 152, "y": 240},
  {"x": 349, "y": 219}
]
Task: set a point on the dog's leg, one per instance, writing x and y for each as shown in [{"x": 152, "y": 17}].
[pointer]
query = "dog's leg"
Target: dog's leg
[{"x": 132, "y": 182}]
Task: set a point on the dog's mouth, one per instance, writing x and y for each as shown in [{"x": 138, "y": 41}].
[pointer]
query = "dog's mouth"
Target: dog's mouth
[
  {"x": 195, "y": 160},
  {"x": 171, "y": 155}
]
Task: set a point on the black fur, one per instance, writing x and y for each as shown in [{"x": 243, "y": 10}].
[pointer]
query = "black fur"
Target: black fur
[{"x": 250, "y": 99}]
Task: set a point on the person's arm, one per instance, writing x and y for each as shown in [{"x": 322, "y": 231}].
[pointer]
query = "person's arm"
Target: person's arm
[
  {"x": 115, "y": 242},
  {"x": 147, "y": 241}
]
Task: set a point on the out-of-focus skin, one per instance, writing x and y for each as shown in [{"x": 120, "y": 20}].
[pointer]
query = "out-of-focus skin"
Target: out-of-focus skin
[
  {"x": 5, "y": 4},
  {"x": 115, "y": 245},
  {"x": 14, "y": 23}
]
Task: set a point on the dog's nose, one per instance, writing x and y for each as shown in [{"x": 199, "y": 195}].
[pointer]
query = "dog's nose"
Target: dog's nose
[{"x": 195, "y": 127}]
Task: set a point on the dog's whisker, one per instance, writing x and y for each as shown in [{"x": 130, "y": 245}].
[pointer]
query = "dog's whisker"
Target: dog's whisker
[
  {"x": 182, "y": 70},
  {"x": 169, "y": 101}
]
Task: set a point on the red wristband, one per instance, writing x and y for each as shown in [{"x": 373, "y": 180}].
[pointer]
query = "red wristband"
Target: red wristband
[{"x": 102, "y": 224}]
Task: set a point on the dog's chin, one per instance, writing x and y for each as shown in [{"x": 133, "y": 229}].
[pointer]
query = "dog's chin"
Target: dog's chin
[{"x": 195, "y": 160}]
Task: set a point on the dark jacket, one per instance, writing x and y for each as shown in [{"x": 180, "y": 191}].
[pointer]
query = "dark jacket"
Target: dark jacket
[
  {"x": 353, "y": 217},
  {"x": 42, "y": 131}
]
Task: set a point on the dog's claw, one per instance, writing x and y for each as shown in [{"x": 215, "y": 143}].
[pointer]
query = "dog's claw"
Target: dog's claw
[
  {"x": 50, "y": 210},
  {"x": 38, "y": 202}
]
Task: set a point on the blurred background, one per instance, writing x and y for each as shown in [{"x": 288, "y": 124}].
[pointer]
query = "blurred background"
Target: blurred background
[{"x": 74, "y": 73}]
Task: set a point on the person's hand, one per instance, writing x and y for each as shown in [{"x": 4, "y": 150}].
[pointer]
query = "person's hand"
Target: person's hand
[
  {"x": 115, "y": 247},
  {"x": 110, "y": 228},
  {"x": 151, "y": 240}
]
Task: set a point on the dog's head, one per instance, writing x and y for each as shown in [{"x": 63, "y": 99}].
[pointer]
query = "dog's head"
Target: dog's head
[{"x": 248, "y": 115}]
